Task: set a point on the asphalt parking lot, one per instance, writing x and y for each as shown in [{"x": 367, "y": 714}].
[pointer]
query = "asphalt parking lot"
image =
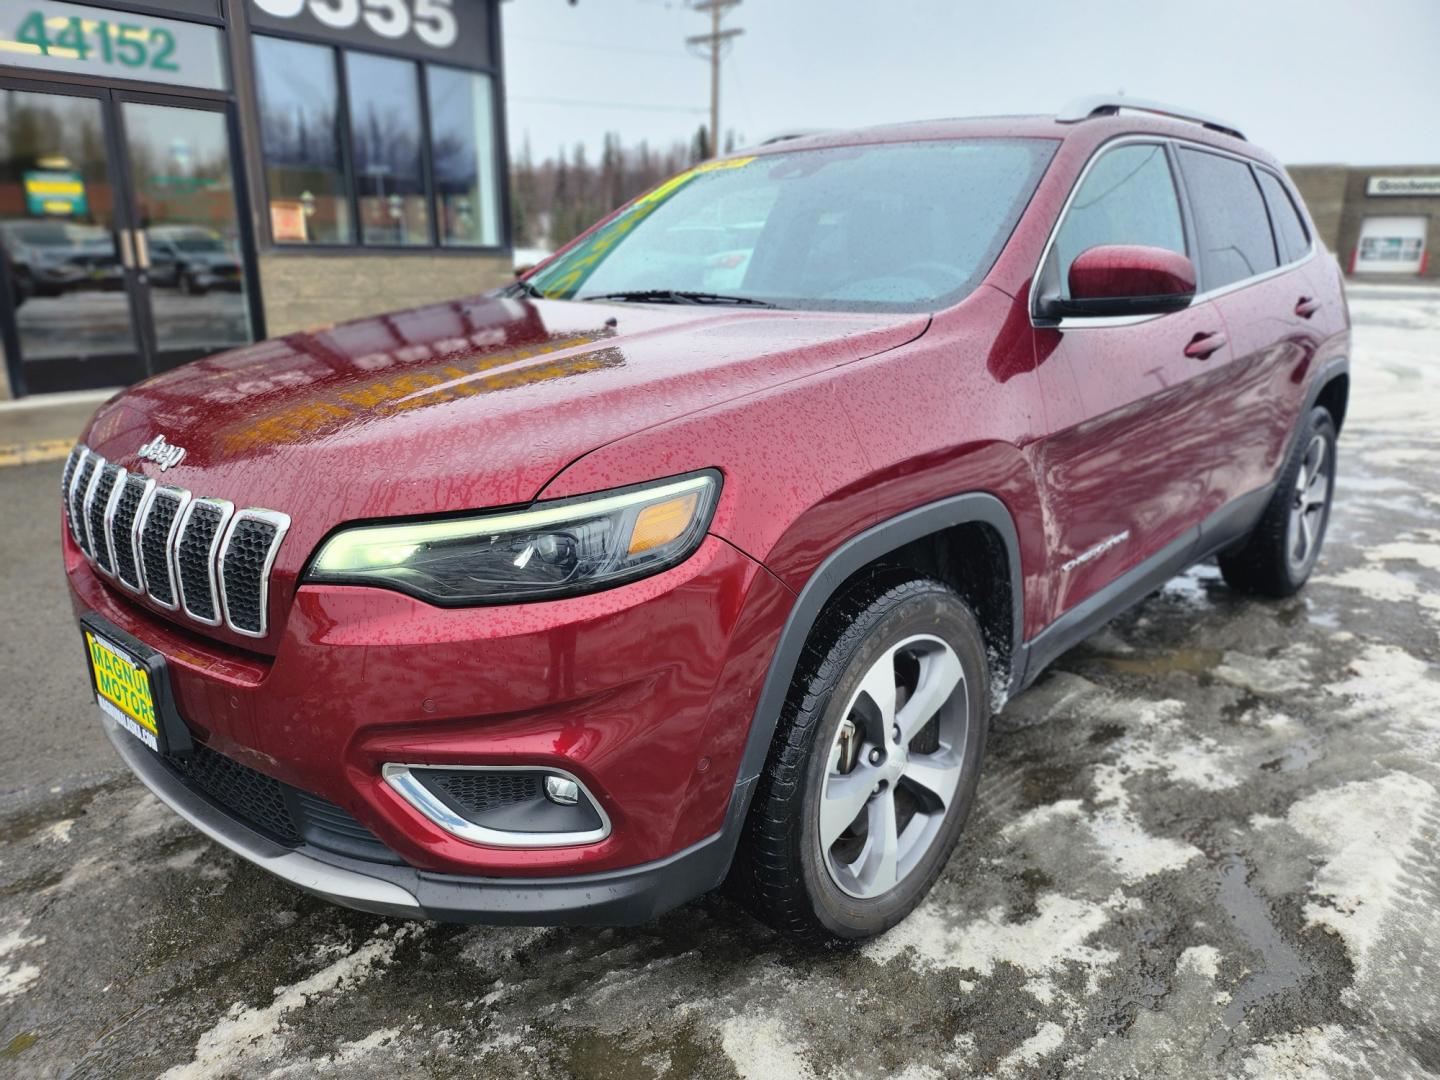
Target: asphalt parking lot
[{"x": 1207, "y": 843}]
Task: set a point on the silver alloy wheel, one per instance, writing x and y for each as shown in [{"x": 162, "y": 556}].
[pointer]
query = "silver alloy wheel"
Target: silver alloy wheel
[
  {"x": 1308, "y": 503},
  {"x": 894, "y": 766}
]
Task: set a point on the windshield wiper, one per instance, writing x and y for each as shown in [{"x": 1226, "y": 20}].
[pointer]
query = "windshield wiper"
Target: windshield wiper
[
  {"x": 521, "y": 287},
  {"x": 679, "y": 296}
]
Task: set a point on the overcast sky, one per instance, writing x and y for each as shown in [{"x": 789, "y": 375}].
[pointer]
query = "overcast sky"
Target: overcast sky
[{"x": 1352, "y": 81}]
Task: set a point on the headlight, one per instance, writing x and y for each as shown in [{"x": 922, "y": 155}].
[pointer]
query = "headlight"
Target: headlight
[{"x": 548, "y": 550}]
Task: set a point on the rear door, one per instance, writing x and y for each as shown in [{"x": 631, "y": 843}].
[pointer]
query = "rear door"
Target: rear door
[
  {"x": 1129, "y": 452},
  {"x": 1255, "y": 272}
]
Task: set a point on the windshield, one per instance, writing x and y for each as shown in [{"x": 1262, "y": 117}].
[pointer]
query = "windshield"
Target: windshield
[{"x": 891, "y": 227}]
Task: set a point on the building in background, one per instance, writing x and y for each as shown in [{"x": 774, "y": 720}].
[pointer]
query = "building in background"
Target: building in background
[
  {"x": 172, "y": 186},
  {"x": 1380, "y": 222}
]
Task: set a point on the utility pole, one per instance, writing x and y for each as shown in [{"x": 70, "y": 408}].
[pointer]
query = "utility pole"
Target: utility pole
[{"x": 712, "y": 46}]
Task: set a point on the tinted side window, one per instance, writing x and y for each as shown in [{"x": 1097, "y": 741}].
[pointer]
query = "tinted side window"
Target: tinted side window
[
  {"x": 1234, "y": 230},
  {"x": 1289, "y": 226},
  {"x": 1127, "y": 197}
]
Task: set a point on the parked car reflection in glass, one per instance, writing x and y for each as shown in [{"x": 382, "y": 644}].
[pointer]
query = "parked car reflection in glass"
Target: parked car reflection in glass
[
  {"x": 192, "y": 259},
  {"x": 50, "y": 258}
]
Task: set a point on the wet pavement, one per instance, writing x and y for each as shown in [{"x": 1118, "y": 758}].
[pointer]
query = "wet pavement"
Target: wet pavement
[{"x": 1207, "y": 843}]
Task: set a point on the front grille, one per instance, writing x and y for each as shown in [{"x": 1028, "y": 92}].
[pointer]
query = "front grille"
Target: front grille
[
  {"x": 283, "y": 813},
  {"x": 199, "y": 555},
  {"x": 476, "y": 790},
  {"x": 98, "y": 501},
  {"x": 122, "y": 530},
  {"x": 195, "y": 558},
  {"x": 77, "y": 500}
]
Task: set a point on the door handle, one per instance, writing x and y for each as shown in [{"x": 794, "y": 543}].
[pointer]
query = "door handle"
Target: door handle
[
  {"x": 127, "y": 252},
  {"x": 1306, "y": 306},
  {"x": 142, "y": 250},
  {"x": 1203, "y": 346}
]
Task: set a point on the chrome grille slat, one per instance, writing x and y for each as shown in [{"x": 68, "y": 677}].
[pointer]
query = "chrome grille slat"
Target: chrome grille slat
[
  {"x": 83, "y": 478},
  {"x": 158, "y": 524},
  {"x": 246, "y": 556},
  {"x": 95, "y": 514},
  {"x": 129, "y": 499},
  {"x": 67, "y": 482},
  {"x": 194, "y": 555},
  {"x": 87, "y": 514},
  {"x": 198, "y": 539}
]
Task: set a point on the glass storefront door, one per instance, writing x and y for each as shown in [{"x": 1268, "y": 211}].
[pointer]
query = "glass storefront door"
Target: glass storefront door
[
  {"x": 120, "y": 233},
  {"x": 189, "y": 255},
  {"x": 61, "y": 219}
]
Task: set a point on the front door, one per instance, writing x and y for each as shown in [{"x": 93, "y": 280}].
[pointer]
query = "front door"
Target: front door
[
  {"x": 123, "y": 246},
  {"x": 1128, "y": 458}
]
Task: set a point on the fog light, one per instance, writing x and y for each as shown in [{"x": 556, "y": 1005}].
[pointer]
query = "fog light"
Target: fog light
[{"x": 560, "y": 790}]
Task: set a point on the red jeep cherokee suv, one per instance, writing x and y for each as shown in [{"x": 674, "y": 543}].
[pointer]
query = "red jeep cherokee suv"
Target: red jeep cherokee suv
[{"x": 708, "y": 548}]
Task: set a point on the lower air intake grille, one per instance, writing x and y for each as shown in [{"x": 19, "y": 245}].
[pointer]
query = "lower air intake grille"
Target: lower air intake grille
[
  {"x": 127, "y": 568},
  {"x": 255, "y": 798},
  {"x": 477, "y": 791},
  {"x": 282, "y": 812},
  {"x": 98, "y": 502}
]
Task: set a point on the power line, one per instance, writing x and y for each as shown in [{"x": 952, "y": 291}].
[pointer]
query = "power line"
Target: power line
[{"x": 712, "y": 46}]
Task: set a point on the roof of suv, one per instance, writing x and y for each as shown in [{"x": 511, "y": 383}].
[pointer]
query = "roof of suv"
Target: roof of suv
[{"x": 1100, "y": 120}]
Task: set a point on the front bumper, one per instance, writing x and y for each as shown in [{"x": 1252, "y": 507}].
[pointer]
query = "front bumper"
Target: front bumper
[
  {"x": 644, "y": 693},
  {"x": 622, "y": 897}
]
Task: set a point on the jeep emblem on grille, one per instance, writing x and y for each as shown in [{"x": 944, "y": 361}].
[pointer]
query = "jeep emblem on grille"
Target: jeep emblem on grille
[{"x": 162, "y": 453}]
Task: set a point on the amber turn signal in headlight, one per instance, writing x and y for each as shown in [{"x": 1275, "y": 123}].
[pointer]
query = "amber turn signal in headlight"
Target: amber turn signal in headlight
[{"x": 545, "y": 551}]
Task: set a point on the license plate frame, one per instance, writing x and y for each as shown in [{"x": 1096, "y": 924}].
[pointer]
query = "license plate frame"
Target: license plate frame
[{"x": 171, "y": 735}]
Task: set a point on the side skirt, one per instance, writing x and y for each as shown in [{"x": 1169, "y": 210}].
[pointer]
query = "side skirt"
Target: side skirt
[{"x": 1217, "y": 532}]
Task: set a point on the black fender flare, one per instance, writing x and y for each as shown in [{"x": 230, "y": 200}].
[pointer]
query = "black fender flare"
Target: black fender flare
[{"x": 852, "y": 555}]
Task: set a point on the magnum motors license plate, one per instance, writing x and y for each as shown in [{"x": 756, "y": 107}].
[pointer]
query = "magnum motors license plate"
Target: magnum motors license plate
[{"x": 123, "y": 690}]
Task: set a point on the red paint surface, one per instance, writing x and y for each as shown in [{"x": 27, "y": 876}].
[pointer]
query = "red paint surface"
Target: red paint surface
[
  {"x": 1111, "y": 270},
  {"x": 823, "y": 424}
]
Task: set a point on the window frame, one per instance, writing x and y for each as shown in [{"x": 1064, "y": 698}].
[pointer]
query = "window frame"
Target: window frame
[
  {"x": 356, "y": 247},
  {"x": 1295, "y": 206},
  {"x": 1172, "y": 144}
]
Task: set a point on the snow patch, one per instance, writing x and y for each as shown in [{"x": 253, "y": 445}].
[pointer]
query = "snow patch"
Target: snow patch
[
  {"x": 1048, "y": 1038},
  {"x": 760, "y": 1050},
  {"x": 1310, "y": 1054},
  {"x": 1057, "y": 935},
  {"x": 16, "y": 977},
  {"x": 1281, "y": 675},
  {"x": 1202, "y": 960},
  {"x": 248, "y": 1035},
  {"x": 1367, "y": 830}
]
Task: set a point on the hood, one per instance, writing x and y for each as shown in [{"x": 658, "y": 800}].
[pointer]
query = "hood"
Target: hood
[{"x": 464, "y": 405}]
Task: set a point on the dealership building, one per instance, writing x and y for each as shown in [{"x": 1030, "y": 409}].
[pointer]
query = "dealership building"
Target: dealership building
[
  {"x": 183, "y": 176},
  {"x": 1381, "y": 223}
]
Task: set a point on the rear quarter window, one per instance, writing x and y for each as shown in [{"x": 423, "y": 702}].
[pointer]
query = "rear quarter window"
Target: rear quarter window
[
  {"x": 1230, "y": 218},
  {"x": 1289, "y": 226}
]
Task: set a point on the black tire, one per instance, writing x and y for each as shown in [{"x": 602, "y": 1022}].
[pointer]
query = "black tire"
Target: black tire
[
  {"x": 1265, "y": 563},
  {"x": 781, "y": 869}
]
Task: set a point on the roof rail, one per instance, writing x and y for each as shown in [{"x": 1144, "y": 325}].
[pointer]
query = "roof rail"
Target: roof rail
[{"x": 1099, "y": 105}]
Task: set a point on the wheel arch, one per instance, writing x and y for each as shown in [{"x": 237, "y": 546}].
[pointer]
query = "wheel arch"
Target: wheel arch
[
  {"x": 939, "y": 539},
  {"x": 1334, "y": 392}
]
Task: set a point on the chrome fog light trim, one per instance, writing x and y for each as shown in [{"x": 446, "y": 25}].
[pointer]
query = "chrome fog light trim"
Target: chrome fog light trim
[{"x": 402, "y": 780}]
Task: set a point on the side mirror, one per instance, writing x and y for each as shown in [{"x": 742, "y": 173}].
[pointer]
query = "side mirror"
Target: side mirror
[{"x": 1125, "y": 279}]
